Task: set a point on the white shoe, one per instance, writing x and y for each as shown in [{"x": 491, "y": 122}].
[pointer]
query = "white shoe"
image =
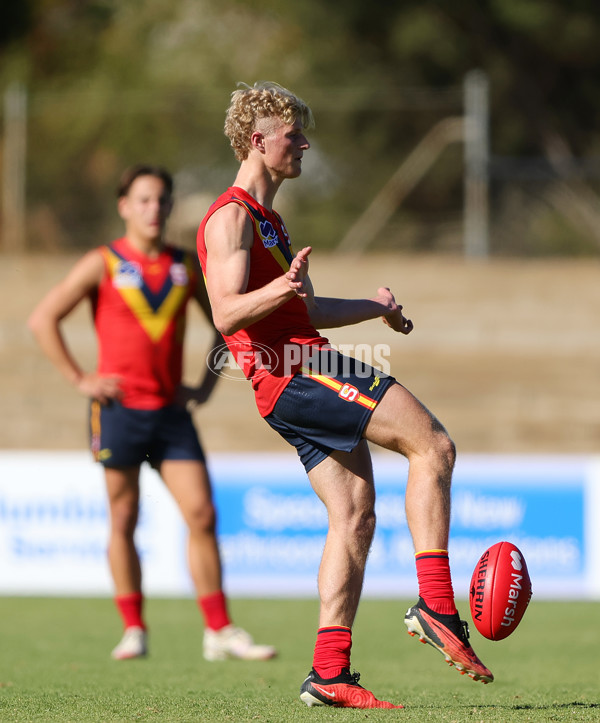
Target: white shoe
[
  {"x": 232, "y": 642},
  {"x": 133, "y": 645}
]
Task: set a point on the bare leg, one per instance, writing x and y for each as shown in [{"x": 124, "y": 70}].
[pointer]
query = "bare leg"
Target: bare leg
[
  {"x": 344, "y": 482},
  {"x": 188, "y": 482},
  {"x": 402, "y": 424},
  {"x": 122, "y": 485}
]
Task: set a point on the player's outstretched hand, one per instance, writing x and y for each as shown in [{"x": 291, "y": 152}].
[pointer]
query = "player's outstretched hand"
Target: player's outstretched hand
[
  {"x": 398, "y": 322},
  {"x": 299, "y": 271},
  {"x": 395, "y": 319},
  {"x": 102, "y": 388}
]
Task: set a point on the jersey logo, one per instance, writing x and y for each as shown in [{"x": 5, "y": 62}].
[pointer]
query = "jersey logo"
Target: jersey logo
[
  {"x": 127, "y": 275},
  {"x": 279, "y": 245},
  {"x": 375, "y": 384},
  {"x": 267, "y": 234},
  {"x": 349, "y": 392},
  {"x": 179, "y": 274},
  {"x": 286, "y": 235}
]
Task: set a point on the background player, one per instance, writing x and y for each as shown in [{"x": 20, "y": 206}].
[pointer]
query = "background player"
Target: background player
[
  {"x": 140, "y": 287},
  {"x": 261, "y": 295}
]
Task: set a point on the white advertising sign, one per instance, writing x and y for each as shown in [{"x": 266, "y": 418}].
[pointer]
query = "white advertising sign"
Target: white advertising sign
[
  {"x": 54, "y": 528},
  {"x": 272, "y": 527}
]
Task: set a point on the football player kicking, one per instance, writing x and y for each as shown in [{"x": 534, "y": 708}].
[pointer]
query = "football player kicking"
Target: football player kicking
[{"x": 261, "y": 296}]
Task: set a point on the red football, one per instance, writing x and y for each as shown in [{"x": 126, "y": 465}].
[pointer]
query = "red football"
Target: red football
[{"x": 500, "y": 591}]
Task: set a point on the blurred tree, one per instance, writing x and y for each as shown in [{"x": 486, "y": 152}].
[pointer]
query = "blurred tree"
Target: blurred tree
[
  {"x": 15, "y": 21},
  {"x": 114, "y": 81}
]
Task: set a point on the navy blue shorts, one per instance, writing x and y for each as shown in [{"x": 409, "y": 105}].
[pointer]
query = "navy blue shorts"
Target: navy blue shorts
[
  {"x": 123, "y": 437},
  {"x": 327, "y": 404}
]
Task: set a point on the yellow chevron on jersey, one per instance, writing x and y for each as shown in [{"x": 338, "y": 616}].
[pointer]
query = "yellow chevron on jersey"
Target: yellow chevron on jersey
[
  {"x": 345, "y": 391},
  {"x": 154, "y": 311}
]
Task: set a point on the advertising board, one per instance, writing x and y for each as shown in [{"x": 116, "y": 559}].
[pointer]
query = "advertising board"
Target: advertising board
[{"x": 272, "y": 527}]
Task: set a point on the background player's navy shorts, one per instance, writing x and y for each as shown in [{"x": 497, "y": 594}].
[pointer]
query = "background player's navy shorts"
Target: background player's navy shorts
[
  {"x": 327, "y": 404},
  {"x": 123, "y": 437}
]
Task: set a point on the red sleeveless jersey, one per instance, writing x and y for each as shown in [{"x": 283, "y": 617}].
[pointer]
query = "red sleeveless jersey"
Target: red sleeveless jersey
[
  {"x": 269, "y": 351},
  {"x": 139, "y": 314}
]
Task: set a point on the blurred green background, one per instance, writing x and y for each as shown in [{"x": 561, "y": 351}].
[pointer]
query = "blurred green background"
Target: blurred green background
[{"x": 100, "y": 84}]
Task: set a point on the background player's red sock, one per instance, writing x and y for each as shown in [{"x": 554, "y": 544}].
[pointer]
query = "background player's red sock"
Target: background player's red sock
[
  {"x": 214, "y": 609},
  {"x": 130, "y": 607},
  {"x": 435, "y": 583},
  {"x": 332, "y": 651}
]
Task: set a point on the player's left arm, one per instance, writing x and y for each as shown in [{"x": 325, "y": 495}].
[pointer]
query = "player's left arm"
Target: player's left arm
[{"x": 329, "y": 313}]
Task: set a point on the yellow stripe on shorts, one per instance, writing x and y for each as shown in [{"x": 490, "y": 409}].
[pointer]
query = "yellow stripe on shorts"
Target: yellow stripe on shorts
[{"x": 340, "y": 388}]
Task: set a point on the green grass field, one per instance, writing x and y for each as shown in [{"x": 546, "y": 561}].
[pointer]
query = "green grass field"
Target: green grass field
[{"x": 55, "y": 666}]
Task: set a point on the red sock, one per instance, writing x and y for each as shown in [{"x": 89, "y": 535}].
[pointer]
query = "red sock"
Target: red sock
[
  {"x": 214, "y": 609},
  {"x": 130, "y": 607},
  {"x": 332, "y": 651},
  {"x": 435, "y": 583}
]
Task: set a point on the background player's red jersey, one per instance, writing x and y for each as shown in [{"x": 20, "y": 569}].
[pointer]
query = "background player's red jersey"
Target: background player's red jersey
[{"x": 139, "y": 313}]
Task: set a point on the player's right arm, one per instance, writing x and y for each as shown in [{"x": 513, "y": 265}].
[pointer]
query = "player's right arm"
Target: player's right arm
[
  {"x": 229, "y": 236},
  {"x": 45, "y": 324}
]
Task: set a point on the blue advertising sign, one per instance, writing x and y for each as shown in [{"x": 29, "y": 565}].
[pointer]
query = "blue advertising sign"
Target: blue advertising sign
[{"x": 272, "y": 526}]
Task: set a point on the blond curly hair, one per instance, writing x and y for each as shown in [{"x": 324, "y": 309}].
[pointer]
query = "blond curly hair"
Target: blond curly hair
[{"x": 264, "y": 99}]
